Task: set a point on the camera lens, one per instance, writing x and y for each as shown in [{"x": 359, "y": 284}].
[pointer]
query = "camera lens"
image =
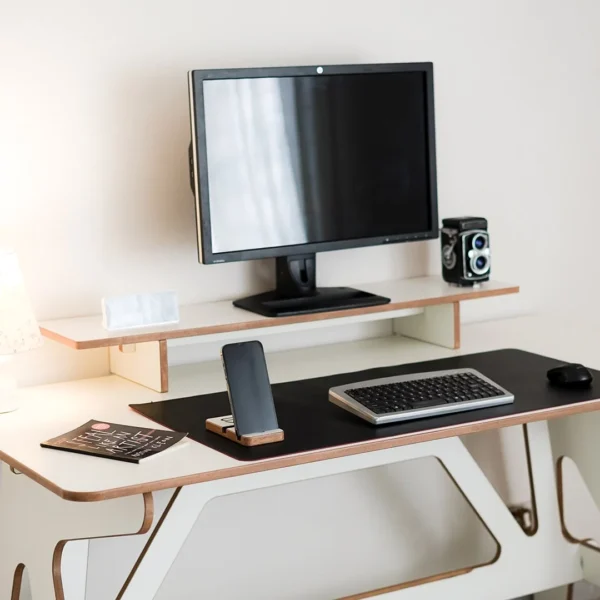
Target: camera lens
[
  {"x": 479, "y": 241},
  {"x": 480, "y": 264}
]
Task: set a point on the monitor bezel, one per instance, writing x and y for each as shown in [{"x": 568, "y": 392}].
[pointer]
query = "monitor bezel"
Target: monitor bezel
[{"x": 199, "y": 164}]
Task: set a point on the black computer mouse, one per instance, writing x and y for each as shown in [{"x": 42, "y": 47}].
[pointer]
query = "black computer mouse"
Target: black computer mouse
[{"x": 570, "y": 376}]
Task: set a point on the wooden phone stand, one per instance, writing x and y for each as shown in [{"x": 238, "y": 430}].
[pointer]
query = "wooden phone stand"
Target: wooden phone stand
[{"x": 225, "y": 427}]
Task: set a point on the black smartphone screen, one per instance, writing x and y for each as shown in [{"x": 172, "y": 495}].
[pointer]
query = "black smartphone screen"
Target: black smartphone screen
[{"x": 249, "y": 388}]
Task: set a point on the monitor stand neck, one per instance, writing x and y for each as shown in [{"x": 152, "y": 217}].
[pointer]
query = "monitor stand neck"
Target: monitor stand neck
[
  {"x": 296, "y": 276},
  {"x": 296, "y": 292}
]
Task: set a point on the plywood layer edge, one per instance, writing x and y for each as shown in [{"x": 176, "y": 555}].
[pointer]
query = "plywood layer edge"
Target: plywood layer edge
[{"x": 211, "y": 318}]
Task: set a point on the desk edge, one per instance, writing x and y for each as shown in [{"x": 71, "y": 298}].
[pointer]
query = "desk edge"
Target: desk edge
[{"x": 308, "y": 457}]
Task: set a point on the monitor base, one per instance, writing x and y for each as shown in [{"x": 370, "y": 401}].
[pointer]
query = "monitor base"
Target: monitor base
[
  {"x": 272, "y": 304},
  {"x": 296, "y": 292}
]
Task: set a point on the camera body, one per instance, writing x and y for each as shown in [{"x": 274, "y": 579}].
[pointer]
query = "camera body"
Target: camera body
[{"x": 465, "y": 250}]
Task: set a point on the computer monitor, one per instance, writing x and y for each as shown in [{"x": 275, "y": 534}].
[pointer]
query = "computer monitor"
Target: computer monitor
[{"x": 288, "y": 162}]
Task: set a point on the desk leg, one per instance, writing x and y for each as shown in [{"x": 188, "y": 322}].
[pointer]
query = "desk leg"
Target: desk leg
[
  {"x": 35, "y": 525},
  {"x": 590, "y": 558},
  {"x": 169, "y": 535},
  {"x": 576, "y": 446}
]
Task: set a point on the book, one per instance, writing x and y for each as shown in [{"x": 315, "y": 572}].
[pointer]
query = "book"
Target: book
[{"x": 119, "y": 442}]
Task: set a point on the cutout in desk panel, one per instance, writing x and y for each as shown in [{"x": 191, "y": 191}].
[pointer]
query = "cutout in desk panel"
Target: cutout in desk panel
[
  {"x": 580, "y": 517},
  {"x": 351, "y": 532}
]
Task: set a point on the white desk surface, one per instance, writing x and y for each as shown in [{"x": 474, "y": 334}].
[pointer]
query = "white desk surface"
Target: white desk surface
[
  {"x": 50, "y": 410},
  {"x": 222, "y": 317}
]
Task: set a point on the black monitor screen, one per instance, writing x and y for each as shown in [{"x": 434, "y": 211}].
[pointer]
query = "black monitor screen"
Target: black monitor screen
[{"x": 319, "y": 158}]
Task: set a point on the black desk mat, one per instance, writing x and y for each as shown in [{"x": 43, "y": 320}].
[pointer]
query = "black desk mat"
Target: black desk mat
[{"x": 311, "y": 422}]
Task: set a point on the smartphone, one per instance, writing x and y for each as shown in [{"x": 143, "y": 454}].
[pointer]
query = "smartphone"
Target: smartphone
[{"x": 249, "y": 388}]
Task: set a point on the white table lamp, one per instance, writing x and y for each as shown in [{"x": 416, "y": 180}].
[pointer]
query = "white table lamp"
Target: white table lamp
[{"x": 19, "y": 330}]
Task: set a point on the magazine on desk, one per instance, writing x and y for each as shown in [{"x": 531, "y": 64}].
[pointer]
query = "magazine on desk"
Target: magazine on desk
[{"x": 119, "y": 442}]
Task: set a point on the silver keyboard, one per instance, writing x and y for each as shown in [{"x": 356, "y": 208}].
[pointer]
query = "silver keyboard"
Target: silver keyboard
[{"x": 419, "y": 395}]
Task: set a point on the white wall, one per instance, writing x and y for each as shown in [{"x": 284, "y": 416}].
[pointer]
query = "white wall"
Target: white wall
[
  {"x": 94, "y": 185},
  {"x": 94, "y": 129}
]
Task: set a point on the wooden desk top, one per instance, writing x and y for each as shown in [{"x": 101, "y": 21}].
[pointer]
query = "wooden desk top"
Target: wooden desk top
[{"x": 50, "y": 410}]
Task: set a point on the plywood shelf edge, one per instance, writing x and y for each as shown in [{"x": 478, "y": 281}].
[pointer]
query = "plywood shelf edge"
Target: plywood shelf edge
[
  {"x": 84, "y": 333},
  {"x": 141, "y": 355}
]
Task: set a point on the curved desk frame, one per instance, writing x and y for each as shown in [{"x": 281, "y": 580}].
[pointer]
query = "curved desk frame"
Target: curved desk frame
[{"x": 493, "y": 579}]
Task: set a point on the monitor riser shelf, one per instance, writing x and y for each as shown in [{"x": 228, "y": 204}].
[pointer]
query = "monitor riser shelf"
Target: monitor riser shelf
[{"x": 424, "y": 308}]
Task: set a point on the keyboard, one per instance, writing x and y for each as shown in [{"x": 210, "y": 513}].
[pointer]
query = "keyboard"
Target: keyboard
[{"x": 405, "y": 397}]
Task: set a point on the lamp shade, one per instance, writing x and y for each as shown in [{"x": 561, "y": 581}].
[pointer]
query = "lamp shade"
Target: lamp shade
[{"x": 19, "y": 330}]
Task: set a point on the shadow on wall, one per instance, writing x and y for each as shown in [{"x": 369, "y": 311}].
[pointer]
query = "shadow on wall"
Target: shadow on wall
[{"x": 151, "y": 134}]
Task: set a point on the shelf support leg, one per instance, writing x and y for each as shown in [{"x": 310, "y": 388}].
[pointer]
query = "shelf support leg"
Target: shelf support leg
[
  {"x": 439, "y": 325},
  {"x": 145, "y": 363}
]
